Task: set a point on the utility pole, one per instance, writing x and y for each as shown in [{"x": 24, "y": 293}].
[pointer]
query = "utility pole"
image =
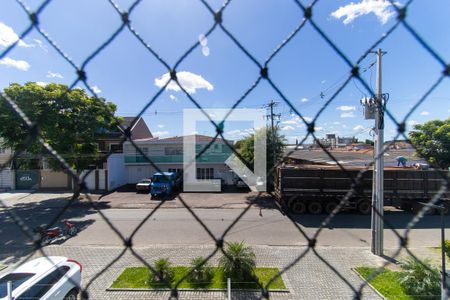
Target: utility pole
[
  {"x": 378, "y": 170},
  {"x": 272, "y": 116}
]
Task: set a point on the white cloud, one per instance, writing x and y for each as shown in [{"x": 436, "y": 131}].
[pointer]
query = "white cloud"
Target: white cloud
[
  {"x": 50, "y": 74},
  {"x": 412, "y": 122},
  {"x": 348, "y": 114},
  {"x": 346, "y": 108},
  {"x": 238, "y": 133},
  {"x": 304, "y": 100},
  {"x": 382, "y": 9},
  {"x": 173, "y": 98},
  {"x": 160, "y": 126},
  {"x": 336, "y": 123},
  {"x": 359, "y": 128},
  {"x": 287, "y": 128},
  {"x": 189, "y": 81},
  {"x": 9, "y": 37},
  {"x": 295, "y": 120},
  {"x": 205, "y": 51},
  {"x": 292, "y": 121},
  {"x": 425, "y": 113},
  {"x": 96, "y": 89},
  {"x": 41, "y": 83},
  {"x": 18, "y": 64},
  {"x": 41, "y": 45},
  {"x": 160, "y": 133},
  {"x": 318, "y": 128}
]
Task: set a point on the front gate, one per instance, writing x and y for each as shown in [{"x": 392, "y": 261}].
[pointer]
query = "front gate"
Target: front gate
[{"x": 27, "y": 180}]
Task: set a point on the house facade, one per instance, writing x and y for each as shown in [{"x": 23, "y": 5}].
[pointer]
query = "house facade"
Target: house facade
[
  {"x": 167, "y": 155},
  {"x": 111, "y": 141}
]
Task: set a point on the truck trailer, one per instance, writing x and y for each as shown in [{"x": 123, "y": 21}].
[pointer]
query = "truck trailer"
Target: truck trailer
[{"x": 315, "y": 189}]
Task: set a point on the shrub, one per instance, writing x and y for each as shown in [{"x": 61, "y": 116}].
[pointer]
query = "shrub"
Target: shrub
[
  {"x": 420, "y": 279},
  {"x": 202, "y": 272},
  {"x": 239, "y": 261},
  {"x": 164, "y": 273},
  {"x": 447, "y": 248}
]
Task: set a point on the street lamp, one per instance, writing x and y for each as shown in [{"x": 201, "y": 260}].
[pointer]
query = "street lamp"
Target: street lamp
[{"x": 441, "y": 209}]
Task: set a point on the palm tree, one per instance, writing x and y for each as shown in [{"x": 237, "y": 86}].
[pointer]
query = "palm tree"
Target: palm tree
[
  {"x": 163, "y": 271},
  {"x": 239, "y": 262},
  {"x": 202, "y": 271}
]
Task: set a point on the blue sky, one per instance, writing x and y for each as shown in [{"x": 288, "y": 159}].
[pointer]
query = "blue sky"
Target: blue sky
[{"x": 217, "y": 73}]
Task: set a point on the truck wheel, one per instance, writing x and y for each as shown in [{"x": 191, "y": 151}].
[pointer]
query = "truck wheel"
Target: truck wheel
[
  {"x": 330, "y": 206},
  {"x": 315, "y": 207},
  {"x": 446, "y": 208},
  {"x": 364, "y": 207},
  {"x": 298, "y": 207},
  {"x": 405, "y": 207},
  {"x": 416, "y": 208}
]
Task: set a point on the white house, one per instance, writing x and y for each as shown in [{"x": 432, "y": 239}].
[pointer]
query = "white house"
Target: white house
[{"x": 167, "y": 155}]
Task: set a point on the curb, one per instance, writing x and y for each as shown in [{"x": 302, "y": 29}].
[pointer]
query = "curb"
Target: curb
[{"x": 369, "y": 284}]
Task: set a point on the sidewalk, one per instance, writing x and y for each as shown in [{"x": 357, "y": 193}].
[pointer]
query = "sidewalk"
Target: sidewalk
[
  {"x": 128, "y": 199},
  {"x": 310, "y": 278}
]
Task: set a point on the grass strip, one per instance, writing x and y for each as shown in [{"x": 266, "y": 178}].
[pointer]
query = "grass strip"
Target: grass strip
[
  {"x": 387, "y": 282},
  {"x": 139, "y": 277}
]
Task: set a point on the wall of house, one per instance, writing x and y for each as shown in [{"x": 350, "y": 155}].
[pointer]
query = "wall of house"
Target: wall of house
[
  {"x": 168, "y": 155},
  {"x": 96, "y": 180},
  {"x": 117, "y": 175},
  {"x": 7, "y": 179},
  {"x": 135, "y": 173}
]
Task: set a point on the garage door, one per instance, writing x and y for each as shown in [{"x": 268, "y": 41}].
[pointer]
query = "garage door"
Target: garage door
[
  {"x": 54, "y": 180},
  {"x": 137, "y": 173}
]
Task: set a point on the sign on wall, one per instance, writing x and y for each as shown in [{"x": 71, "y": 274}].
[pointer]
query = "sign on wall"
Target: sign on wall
[{"x": 27, "y": 180}]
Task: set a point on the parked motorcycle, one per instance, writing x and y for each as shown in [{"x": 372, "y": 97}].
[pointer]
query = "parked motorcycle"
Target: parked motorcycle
[{"x": 49, "y": 235}]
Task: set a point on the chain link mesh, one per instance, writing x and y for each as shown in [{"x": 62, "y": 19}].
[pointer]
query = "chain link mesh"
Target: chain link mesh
[{"x": 125, "y": 17}]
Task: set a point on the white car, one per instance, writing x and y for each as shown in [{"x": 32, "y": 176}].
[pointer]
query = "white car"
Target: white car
[
  {"x": 144, "y": 185},
  {"x": 52, "y": 277}
]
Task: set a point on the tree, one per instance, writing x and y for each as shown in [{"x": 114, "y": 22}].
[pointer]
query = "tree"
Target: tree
[
  {"x": 432, "y": 141},
  {"x": 68, "y": 120},
  {"x": 202, "y": 273},
  {"x": 162, "y": 272},
  {"x": 274, "y": 141},
  {"x": 239, "y": 262},
  {"x": 368, "y": 142}
]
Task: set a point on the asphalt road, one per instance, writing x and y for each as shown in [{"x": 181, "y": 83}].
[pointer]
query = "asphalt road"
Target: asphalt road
[{"x": 257, "y": 227}]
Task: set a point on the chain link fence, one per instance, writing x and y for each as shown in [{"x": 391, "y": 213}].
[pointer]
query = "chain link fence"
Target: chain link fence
[{"x": 124, "y": 17}]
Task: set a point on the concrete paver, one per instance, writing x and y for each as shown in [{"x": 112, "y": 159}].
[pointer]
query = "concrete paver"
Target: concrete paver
[{"x": 309, "y": 278}]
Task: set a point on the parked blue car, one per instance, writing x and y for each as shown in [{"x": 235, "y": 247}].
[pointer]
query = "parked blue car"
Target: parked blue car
[{"x": 163, "y": 184}]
